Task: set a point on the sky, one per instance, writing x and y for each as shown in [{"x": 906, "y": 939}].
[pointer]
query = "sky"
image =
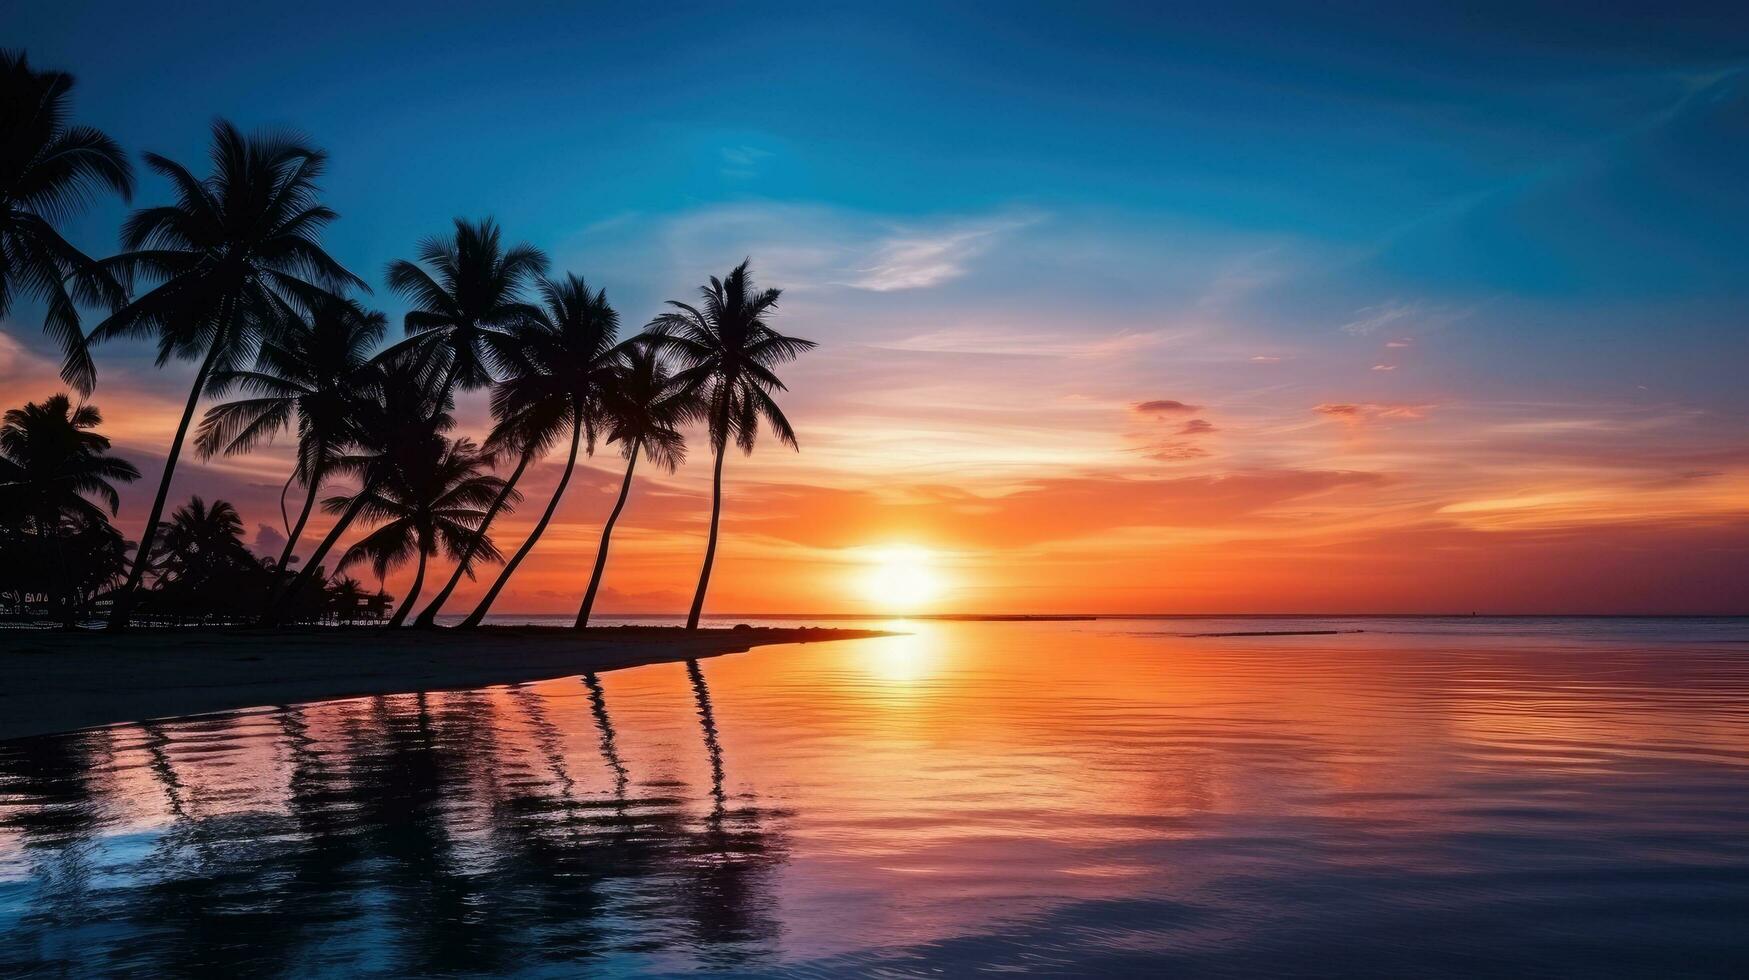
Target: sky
[{"x": 1121, "y": 308}]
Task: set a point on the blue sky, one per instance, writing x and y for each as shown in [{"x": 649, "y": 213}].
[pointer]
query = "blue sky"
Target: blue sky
[{"x": 1004, "y": 218}]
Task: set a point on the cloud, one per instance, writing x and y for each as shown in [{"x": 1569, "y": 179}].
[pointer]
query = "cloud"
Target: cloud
[
  {"x": 268, "y": 541},
  {"x": 1197, "y": 427},
  {"x": 1265, "y": 359},
  {"x": 803, "y": 248},
  {"x": 743, "y": 161},
  {"x": 920, "y": 260},
  {"x": 1163, "y": 406},
  {"x": 21, "y": 368},
  {"x": 1384, "y": 367},
  {"x": 1355, "y": 413},
  {"x": 1369, "y": 320},
  {"x": 1176, "y": 452},
  {"x": 1007, "y": 342},
  {"x": 1400, "y": 342},
  {"x": 1050, "y": 509}
]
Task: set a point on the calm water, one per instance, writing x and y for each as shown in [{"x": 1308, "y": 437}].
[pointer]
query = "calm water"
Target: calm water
[{"x": 1429, "y": 797}]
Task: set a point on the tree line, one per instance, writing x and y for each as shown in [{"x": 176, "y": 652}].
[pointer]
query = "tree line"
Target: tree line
[{"x": 230, "y": 274}]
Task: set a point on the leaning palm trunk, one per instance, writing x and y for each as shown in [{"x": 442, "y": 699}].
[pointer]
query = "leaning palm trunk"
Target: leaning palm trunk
[
  {"x": 400, "y": 615},
  {"x": 123, "y": 606},
  {"x": 540, "y": 527},
  {"x": 625, "y": 488},
  {"x": 710, "y": 548},
  {"x": 297, "y": 530},
  {"x": 429, "y": 616},
  {"x": 290, "y": 590}
]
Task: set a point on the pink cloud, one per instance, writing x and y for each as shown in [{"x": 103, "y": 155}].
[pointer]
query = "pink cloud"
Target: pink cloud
[
  {"x": 1354, "y": 413},
  {"x": 1165, "y": 406}
]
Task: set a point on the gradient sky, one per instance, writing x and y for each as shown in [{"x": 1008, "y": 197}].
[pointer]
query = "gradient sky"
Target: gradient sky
[{"x": 1121, "y": 308}]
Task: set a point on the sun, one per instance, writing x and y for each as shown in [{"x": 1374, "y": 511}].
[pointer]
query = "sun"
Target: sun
[{"x": 901, "y": 579}]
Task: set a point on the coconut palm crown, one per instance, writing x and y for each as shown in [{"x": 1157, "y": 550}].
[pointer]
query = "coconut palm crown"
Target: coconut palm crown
[
  {"x": 466, "y": 292},
  {"x": 427, "y": 501},
  {"x": 50, "y": 170},
  {"x": 313, "y": 372}
]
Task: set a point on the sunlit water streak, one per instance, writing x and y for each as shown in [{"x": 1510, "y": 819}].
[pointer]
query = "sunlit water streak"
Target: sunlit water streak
[{"x": 1427, "y": 797}]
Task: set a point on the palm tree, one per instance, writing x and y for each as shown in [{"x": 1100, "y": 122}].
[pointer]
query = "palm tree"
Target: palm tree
[
  {"x": 644, "y": 408},
  {"x": 726, "y": 352},
  {"x": 464, "y": 566},
  {"x": 427, "y": 500},
  {"x": 313, "y": 371},
  {"x": 200, "y": 542},
  {"x": 51, "y": 461},
  {"x": 398, "y": 414},
  {"x": 344, "y": 597},
  {"x": 563, "y": 362},
  {"x": 466, "y": 305},
  {"x": 201, "y": 567},
  {"x": 49, "y": 171},
  {"x": 233, "y": 260}
]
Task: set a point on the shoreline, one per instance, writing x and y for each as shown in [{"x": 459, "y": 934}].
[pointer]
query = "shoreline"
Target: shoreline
[{"x": 53, "y": 682}]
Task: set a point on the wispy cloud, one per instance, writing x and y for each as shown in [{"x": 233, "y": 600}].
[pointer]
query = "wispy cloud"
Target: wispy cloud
[
  {"x": 929, "y": 258},
  {"x": 742, "y": 162},
  {"x": 1371, "y": 319},
  {"x": 1001, "y": 342},
  {"x": 1162, "y": 406},
  {"x": 1355, "y": 413}
]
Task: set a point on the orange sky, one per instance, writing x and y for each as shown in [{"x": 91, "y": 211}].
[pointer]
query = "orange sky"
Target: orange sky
[{"x": 1074, "y": 478}]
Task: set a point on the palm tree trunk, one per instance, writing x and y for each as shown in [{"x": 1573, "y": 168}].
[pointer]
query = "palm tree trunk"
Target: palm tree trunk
[
  {"x": 710, "y": 548},
  {"x": 288, "y": 592},
  {"x": 429, "y": 616},
  {"x": 122, "y": 606},
  {"x": 625, "y": 488},
  {"x": 297, "y": 530},
  {"x": 540, "y": 527},
  {"x": 400, "y": 615},
  {"x": 284, "y": 518}
]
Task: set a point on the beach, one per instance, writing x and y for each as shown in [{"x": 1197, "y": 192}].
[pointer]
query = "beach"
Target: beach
[{"x": 60, "y": 682}]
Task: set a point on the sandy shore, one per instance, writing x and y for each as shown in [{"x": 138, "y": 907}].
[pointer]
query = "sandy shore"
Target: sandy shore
[{"x": 57, "y": 682}]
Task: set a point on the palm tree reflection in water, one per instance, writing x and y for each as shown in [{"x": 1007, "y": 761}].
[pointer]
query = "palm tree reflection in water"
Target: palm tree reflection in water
[{"x": 408, "y": 834}]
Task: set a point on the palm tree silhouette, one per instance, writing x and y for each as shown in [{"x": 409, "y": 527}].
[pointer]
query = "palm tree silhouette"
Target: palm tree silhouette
[
  {"x": 313, "y": 370},
  {"x": 345, "y": 597},
  {"x": 200, "y": 541},
  {"x": 428, "y": 499},
  {"x": 398, "y": 414},
  {"x": 466, "y": 306},
  {"x": 51, "y": 461},
  {"x": 726, "y": 352},
  {"x": 49, "y": 171},
  {"x": 233, "y": 260},
  {"x": 643, "y": 408},
  {"x": 563, "y": 361}
]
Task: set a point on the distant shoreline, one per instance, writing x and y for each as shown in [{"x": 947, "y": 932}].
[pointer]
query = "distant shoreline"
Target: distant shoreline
[{"x": 53, "y": 682}]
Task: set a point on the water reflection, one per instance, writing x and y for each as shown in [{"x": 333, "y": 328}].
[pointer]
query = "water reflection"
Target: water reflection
[
  {"x": 1029, "y": 797},
  {"x": 419, "y": 834}
]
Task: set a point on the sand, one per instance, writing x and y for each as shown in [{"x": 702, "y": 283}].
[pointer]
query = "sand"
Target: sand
[{"x": 59, "y": 682}]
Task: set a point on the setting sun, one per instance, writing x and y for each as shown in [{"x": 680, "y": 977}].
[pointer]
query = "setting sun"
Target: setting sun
[{"x": 901, "y": 579}]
